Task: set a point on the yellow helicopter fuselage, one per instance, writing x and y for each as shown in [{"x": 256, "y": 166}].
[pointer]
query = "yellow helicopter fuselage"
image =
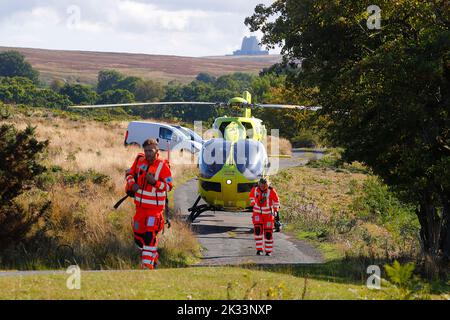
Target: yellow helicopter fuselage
[{"x": 229, "y": 189}]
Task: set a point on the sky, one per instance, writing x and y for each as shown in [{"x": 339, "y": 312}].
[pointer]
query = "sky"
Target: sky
[{"x": 175, "y": 27}]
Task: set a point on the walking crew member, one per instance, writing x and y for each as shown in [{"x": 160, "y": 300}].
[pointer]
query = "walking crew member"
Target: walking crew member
[
  {"x": 265, "y": 202},
  {"x": 149, "y": 179}
]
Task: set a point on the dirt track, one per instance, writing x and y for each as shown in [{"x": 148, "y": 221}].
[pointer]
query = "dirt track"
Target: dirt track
[{"x": 227, "y": 238}]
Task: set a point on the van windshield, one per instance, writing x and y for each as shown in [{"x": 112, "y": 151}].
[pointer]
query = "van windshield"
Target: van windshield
[{"x": 190, "y": 134}]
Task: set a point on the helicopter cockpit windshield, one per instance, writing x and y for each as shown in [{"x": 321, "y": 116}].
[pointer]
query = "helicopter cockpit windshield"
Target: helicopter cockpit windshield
[
  {"x": 251, "y": 158},
  {"x": 215, "y": 153}
]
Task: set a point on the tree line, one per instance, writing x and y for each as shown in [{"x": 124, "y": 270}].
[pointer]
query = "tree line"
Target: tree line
[{"x": 19, "y": 84}]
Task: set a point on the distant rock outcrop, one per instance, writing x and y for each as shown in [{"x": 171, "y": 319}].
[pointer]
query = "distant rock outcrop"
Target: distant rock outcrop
[{"x": 250, "y": 47}]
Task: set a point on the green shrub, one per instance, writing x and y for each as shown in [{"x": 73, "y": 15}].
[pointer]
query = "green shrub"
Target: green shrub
[
  {"x": 305, "y": 139},
  {"x": 71, "y": 179},
  {"x": 19, "y": 90},
  {"x": 378, "y": 204},
  {"x": 6, "y": 111},
  {"x": 331, "y": 160},
  {"x": 406, "y": 285},
  {"x": 20, "y": 155}
]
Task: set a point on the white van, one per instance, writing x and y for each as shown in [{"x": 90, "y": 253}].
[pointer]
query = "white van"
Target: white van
[
  {"x": 166, "y": 135},
  {"x": 190, "y": 133}
]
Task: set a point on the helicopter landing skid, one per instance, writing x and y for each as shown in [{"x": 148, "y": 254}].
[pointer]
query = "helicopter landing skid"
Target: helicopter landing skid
[{"x": 196, "y": 210}]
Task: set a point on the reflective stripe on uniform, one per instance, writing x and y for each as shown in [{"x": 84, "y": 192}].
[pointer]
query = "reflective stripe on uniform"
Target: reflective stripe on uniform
[
  {"x": 147, "y": 262},
  {"x": 151, "y": 194},
  {"x": 158, "y": 170},
  {"x": 263, "y": 211},
  {"x": 263, "y": 208},
  {"x": 149, "y": 254},
  {"x": 146, "y": 201},
  {"x": 149, "y": 248}
]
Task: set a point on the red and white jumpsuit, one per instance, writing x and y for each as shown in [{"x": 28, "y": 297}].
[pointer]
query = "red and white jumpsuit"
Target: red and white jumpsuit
[
  {"x": 150, "y": 202},
  {"x": 265, "y": 204}
]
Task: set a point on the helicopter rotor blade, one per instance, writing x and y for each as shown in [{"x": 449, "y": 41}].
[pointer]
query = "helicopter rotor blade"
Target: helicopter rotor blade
[
  {"x": 288, "y": 106},
  {"x": 139, "y": 104}
]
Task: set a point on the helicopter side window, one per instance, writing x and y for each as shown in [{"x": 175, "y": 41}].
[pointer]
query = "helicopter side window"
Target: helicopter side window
[
  {"x": 251, "y": 158},
  {"x": 165, "y": 133},
  {"x": 214, "y": 155}
]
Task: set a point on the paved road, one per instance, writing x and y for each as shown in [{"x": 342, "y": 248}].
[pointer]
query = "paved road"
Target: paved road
[{"x": 227, "y": 237}]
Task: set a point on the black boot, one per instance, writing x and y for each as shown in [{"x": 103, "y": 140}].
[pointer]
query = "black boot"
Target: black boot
[{"x": 277, "y": 226}]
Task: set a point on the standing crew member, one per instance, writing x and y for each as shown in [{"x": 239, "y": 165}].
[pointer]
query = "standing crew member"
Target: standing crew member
[
  {"x": 149, "y": 179},
  {"x": 265, "y": 202}
]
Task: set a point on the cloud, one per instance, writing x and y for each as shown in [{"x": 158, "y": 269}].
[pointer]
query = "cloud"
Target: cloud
[{"x": 191, "y": 28}]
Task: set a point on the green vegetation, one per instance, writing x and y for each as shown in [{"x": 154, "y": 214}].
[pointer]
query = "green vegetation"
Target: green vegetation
[
  {"x": 20, "y": 155},
  {"x": 210, "y": 283},
  {"x": 19, "y": 90},
  {"x": 354, "y": 220},
  {"x": 114, "y": 87},
  {"x": 141, "y": 90},
  {"x": 386, "y": 93},
  {"x": 407, "y": 286},
  {"x": 78, "y": 94},
  {"x": 354, "y": 213},
  {"x": 249, "y": 282},
  {"x": 13, "y": 64}
]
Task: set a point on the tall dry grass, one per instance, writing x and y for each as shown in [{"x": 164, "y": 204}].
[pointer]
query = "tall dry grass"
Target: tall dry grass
[
  {"x": 284, "y": 146},
  {"x": 82, "y": 217}
]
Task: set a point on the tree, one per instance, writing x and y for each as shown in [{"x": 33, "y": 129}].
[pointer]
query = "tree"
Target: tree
[
  {"x": 57, "y": 85},
  {"x": 128, "y": 83},
  {"x": 148, "y": 91},
  {"x": 206, "y": 78},
  {"x": 116, "y": 96},
  {"x": 387, "y": 92},
  {"x": 79, "y": 94},
  {"x": 19, "y": 90},
  {"x": 108, "y": 80},
  {"x": 13, "y": 64},
  {"x": 20, "y": 154}
]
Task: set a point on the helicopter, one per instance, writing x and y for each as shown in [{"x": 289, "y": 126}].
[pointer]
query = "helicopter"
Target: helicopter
[{"x": 231, "y": 162}]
